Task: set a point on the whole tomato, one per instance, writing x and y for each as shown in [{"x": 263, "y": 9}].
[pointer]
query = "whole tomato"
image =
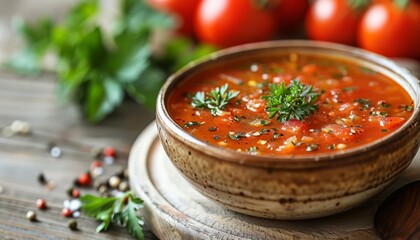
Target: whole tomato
[
  {"x": 392, "y": 30},
  {"x": 226, "y": 23},
  {"x": 182, "y": 10},
  {"x": 335, "y": 20},
  {"x": 290, "y": 14}
]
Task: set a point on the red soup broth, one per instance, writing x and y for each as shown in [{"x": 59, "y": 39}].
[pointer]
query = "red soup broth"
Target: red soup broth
[{"x": 356, "y": 106}]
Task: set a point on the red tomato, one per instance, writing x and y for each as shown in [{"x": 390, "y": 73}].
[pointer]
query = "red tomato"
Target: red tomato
[
  {"x": 182, "y": 10},
  {"x": 391, "y": 31},
  {"x": 226, "y": 23},
  {"x": 343, "y": 133},
  {"x": 294, "y": 126},
  {"x": 334, "y": 21},
  {"x": 388, "y": 122},
  {"x": 290, "y": 14}
]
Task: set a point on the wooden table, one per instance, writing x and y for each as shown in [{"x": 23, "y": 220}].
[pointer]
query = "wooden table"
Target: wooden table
[{"x": 23, "y": 158}]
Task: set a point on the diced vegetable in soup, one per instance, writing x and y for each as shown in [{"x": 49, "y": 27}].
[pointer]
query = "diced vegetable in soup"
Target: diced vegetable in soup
[{"x": 295, "y": 104}]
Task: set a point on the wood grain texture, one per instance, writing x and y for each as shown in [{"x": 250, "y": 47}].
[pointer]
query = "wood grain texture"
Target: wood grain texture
[
  {"x": 177, "y": 211},
  {"x": 395, "y": 222},
  {"x": 22, "y": 158}
]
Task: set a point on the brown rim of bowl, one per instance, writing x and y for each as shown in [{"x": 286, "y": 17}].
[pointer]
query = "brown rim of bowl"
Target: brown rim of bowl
[{"x": 345, "y": 156}]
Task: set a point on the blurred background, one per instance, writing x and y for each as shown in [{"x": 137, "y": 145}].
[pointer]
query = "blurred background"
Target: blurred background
[{"x": 104, "y": 52}]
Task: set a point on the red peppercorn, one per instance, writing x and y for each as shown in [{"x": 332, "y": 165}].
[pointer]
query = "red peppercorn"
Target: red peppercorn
[
  {"x": 41, "y": 203},
  {"x": 96, "y": 164},
  {"x": 66, "y": 212},
  {"x": 75, "y": 193},
  {"x": 109, "y": 152},
  {"x": 84, "y": 180}
]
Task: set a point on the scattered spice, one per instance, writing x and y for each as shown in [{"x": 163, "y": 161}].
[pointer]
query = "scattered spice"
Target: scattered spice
[
  {"x": 124, "y": 186},
  {"x": 41, "y": 179},
  {"x": 84, "y": 180},
  {"x": 72, "y": 224},
  {"x": 31, "y": 216},
  {"x": 108, "y": 160},
  {"x": 114, "y": 181},
  {"x": 55, "y": 152},
  {"x": 96, "y": 164},
  {"x": 109, "y": 152},
  {"x": 125, "y": 173},
  {"x": 75, "y": 193},
  {"x": 66, "y": 212},
  {"x": 96, "y": 152},
  {"x": 41, "y": 204}
]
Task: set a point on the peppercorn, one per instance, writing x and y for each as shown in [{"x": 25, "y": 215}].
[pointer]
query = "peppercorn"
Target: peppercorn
[
  {"x": 31, "y": 216},
  {"x": 85, "y": 179},
  {"x": 96, "y": 152},
  {"x": 41, "y": 179},
  {"x": 114, "y": 181},
  {"x": 102, "y": 189},
  {"x": 75, "y": 193},
  {"x": 109, "y": 152},
  {"x": 126, "y": 175},
  {"x": 96, "y": 164},
  {"x": 41, "y": 203},
  {"x": 124, "y": 187},
  {"x": 66, "y": 212},
  {"x": 72, "y": 224}
]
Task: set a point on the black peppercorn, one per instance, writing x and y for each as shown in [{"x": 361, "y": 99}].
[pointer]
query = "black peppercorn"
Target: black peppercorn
[{"x": 72, "y": 224}]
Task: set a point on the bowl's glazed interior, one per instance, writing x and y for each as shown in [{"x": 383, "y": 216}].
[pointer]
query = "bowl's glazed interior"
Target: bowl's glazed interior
[{"x": 292, "y": 187}]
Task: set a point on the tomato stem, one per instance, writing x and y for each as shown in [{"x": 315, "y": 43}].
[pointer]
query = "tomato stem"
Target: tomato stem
[
  {"x": 402, "y": 4},
  {"x": 359, "y": 4},
  {"x": 262, "y": 4}
]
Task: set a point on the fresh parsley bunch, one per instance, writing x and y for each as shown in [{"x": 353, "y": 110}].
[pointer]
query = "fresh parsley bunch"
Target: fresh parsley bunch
[
  {"x": 121, "y": 210},
  {"x": 95, "y": 68},
  {"x": 295, "y": 101}
]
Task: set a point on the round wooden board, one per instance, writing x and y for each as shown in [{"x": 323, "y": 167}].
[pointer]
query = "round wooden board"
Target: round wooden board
[{"x": 175, "y": 210}]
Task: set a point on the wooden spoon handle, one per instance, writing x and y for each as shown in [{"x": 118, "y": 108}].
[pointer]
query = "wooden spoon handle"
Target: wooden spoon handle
[{"x": 398, "y": 217}]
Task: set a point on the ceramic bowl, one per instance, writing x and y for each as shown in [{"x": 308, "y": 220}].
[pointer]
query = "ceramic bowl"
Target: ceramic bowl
[{"x": 291, "y": 187}]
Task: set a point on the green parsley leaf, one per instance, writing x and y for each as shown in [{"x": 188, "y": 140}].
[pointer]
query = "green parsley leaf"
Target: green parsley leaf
[
  {"x": 364, "y": 102},
  {"x": 114, "y": 209},
  {"x": 192, "y": 124},
  {"x": 296, "y": 101},
  {"x": 215, "y": 100},
  {"x": 97, "y": 68}
]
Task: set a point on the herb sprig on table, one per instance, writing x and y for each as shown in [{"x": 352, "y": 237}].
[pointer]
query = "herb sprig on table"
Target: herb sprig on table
[
  {"x": 121, "y": 210},
  {"x": 295, "y": 101},
  {"x": 215, "y": 100},
  {"x": 97, "y": 68}
]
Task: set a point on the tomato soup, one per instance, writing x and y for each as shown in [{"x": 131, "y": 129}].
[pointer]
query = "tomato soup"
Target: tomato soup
[{"x": 351, "y": 105}]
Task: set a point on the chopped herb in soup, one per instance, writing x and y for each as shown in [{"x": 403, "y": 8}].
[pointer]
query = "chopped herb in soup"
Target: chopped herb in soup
[{"x": 296, "y": 104}]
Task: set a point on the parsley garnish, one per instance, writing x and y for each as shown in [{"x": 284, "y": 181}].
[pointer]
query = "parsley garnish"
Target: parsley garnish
[
  {"x": 236, "y": 136},
  {"x": 332, "y": 146},
  {"x": 312, "y": 147},
  {"x": 406, "y": 108},
  {"x": 253, "y": 150},
  {"x": 296, "y": 101},
  {"x": 216, "y": 100},
  {"x": 192, "y": 124},
  {"x": 349, "y": 89},
  {"x": 365, "y": 103},
  {"x": 121, "y": 210}
]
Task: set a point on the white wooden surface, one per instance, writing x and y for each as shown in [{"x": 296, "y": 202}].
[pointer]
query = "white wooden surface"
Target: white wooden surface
[{"x": 175, "y": 210}]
